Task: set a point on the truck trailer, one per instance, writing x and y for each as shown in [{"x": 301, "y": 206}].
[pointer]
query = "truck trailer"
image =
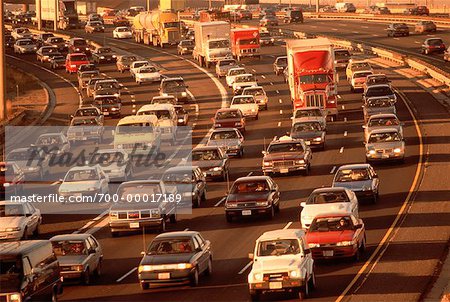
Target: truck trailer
[
  {"x": 212, "y": 42},
  {"x": 66, "y": 13},
  {"x": 312, "y": 75},
  {"x": 245, "y": 43},
  {"x": 157, "y": 28},
  {"x": 172, "y": 5}
]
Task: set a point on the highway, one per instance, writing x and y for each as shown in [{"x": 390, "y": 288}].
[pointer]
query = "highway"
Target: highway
[{"x": 232, "y": 242}]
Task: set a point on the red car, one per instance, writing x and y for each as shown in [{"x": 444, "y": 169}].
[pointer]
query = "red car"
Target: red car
[
  {"x": 337, "y": 235},
  {"x": 11, "y": 180},
  {"x": 74, "y": 61},
  {"x": 229, "y": 118}
]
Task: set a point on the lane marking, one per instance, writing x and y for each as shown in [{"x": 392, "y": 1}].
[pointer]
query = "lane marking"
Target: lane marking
[
  {"x": 250, "y": 174},
  {"x": 345, "y": 133},
  {"x": 55, "y": 183},
  {"x": 281, "y": 111},
  {"x": 356, "y": 32},
  {"x": 287, "y": 225},
  {"x": 279, "y": 124},
  {"x": 220, "y": 201},
  {"x": 399, "y": 214},
  {"x": 278, "y": 91},
  {"x": 343, "y": 107},
  {"x": 253, "y": 70},
  {"x": 127, "y": 274},
  {"x": 271, "y": 83},
  {"x": 345, "y": 119},
  {"x": 335, "y": 29},
  {"x": 333, "y": 169},
  {"x": 396, "y": 39},
  {"x": 263, "y": 76},
  {"x": 417, "y": 42},
  {"x": 186, "y": 229},
  {"x": 245, "y": 268},
  {"x": 281, "y": 101},
  {"x": 341, "y": 150}
]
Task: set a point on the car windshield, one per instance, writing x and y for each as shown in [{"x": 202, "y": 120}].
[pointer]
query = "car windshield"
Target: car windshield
[
  {"x": 26, "y": 42},
  {"x": 21, "y": 155},
  {"x": 106, "y": 85},
  {"x": 383, "y": 121},
  {"x": 86, "y": 112},
  {"x": 148, "y": 69},
  {"x": 243, "y": 100},
  {"x": 227, "y": 63},
  {"x": 78, "y": 58},
  {"x": 106, "y": 101},
  {"x": 234, "y": 72},
  {"x": 123, "y": 29},
  {"x": 245, "y": 78},
  {"x": 282, "y": 61},
  {"x": 205, "y": 155},
  {"x": 379, "y": 103},
  {"x": 134, "y": 128},
  {"x": 278, "y": 247},
  {"x": 219, "y": 44},
  {"x": 264, "y": 35},
  {"x": 228, "y": 114},
  {"x": 330, "y": 224},
  {"x": 69, "y": 248},
  {"x": 379, "y": 91},
  {"x": 384, "y": 137},
  {"x": 359, "y": 65},
  {"x": 128, "y": 59},
  {"x": 253, "y": 41},
  {"x": 305, "y": 127},
  {"x": 104, "y": 50},
  {"x": 95, "y": 23},
  {"x": 342, "y": 53},
  {"x": 22, "y": 30},
  {"x": 254, "y": 91},
  {"x": 160, "y": 114},
  {"x": 140, "y": 64},
  {"x": 179, "y": 177},
  {"x": 47, "y": 50},
  {"x": 377, "y": 80},
  {"x": 352, "y": 175},
  {"x": 187, "y": 43},
  {"x": 285, "y": 147},
  {"x": 11, "y": 210},
  {"x": 250, "y": 187},
  {"x": 435, "y": 42},
  {"x": 84, "y": 122},
  {"x": 171, "y": 246},
  {"x": 58, "y": 58},
  {"x": 327, "y": 197},
  {"x": 173, "y": 86},
  {"x": 81, "y": 175},
  {"x": 79, "y": 43},
  {"x": 89, "y": 74},
  {"x": 359, "y": 75},
  {"x": 314, "y": 79},
  {"x": 224, "y": 135},
  {"x": 129, "y": 190},
  {"x": 308, "y": 113},
  {"x": 45, "y": 140},
  {"x": 400, "y": 25}
]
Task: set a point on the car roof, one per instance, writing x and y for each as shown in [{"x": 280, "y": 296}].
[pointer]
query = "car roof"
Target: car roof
[
  {"x": 138, "y": 119},
  {"x": 354, "y": 166},
  {"x": 252, "y": 178},
  {"x": 241, "y": 96},
  {"x": 205, "y": 148},
  {"x": 21, "y": 247},
  {"x": 81, "y": 236},
  {"x": 181, "y": 168},
  {"x": 380, "y": 115},
  {"x": 383, "y": 130},
  {"x": 282, "y": 234},
  {"x": 328, "y": 189},
  {"x": 253, "y": 88},
  {"x": 172, "y": 79},
  {"x": 160, "y": 97},
  {"x": 82, "y": 168},
  {"x": 244, "y": 75},
  {"x": 176, "y": 234},
  {"x": 237, "y": 68},
  {"x": 223, "y": 130},
  {"x": 227, "y": 109},
  {"x": 333, "y": 214},
  {"x": 379, "y": 85},
  {"x": 285, "y": 141},
  {"x": 156, "y": 107}
]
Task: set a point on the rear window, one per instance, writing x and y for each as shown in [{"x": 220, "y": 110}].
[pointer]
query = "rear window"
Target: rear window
[
  {"x": 328, "y": 197},
  {"x": 78, "y": 58},
  {"x": 250, "y": 187}
]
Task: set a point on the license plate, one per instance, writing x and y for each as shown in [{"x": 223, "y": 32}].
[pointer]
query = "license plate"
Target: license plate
[
  {"x": 134, "y": 225},
  {"x": 246, "y": 212},
  {"x": 328, "y": 253},
  {"x": 284, "y": 170},
  {"x": 385, "y": 156},
  {"x": 275, "y": 285},
  {"x": 105, "y": 113},
  {"x": 164, "y": 276}
]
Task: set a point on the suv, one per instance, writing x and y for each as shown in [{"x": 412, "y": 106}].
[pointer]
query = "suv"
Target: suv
[
  {"x": 30, "y": 271},
  {"x": 425, "y": 26},
  {"x": 175, "y": 87},
  {"x": 79, "y": 45},
  {"x": 432, "y": 45},
  {"x": 397, "y": 29},
  {"x": 293, "y": 269},
  {"x": 280, "y": 65}
]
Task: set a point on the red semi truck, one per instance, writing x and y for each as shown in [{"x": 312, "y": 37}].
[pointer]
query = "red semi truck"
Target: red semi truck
[
  {"x": 312, "y": 74},
  {"x": 245, "y": 42}
]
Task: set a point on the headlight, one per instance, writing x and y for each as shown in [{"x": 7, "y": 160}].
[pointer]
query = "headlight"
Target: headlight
[
  {"x": 366, "y": 188},
  {"x": 154, "y": 212},
  {"x": 294, "y": 274},
  {"x": 313, "y": 245},
  {"x": 165, "y": 94},
  {"x": 102, "y": 57},
  {"x": 218, "y": 125},
  {"x": 180, "y": 120},
  {"x": 114, "y": 56},
  {"x": 300, "y": 161},
  {"x": 253, "y": 110},
  {"x": 14, "y": 229},
  {"x": 6, "y": 184},
  {"x": 145, "y": 268},
  {"x": 184, "y": 94},
  {"x": 231, "y": 205},
  {"x": 217, "y": 169},
  {"x": 238, "y": 124},
  {"x": 15, "y": 298},
  {"x": 114, "y": 109},
  {"x": 77, "y": 49},
  {"x": 272, "y": 39},
  {"x": 87, "y": 48},
  {"x": 372, "y": 152},
  {"x": 35, "y": 48},
  {"x": 267, "y": 163},
  {"x": 92, "y": 189},
  {"x": 184, "y": 265},
  {"x": 258, "y": 277},
  {"x": 149, "y": 144},
  {"x": 344, "y": 243},
  {"x": 262, "y": 203},
  {"x": 397, "y": 150},
  {"x": 113, "y": 215},
  {"x": 317, "y": 139},
  {"x": 120, "y": 146},
  {"x": 78, "y": 268},
  {"x": 238, "y": 87},
  {"x": 116, "y": 94}
]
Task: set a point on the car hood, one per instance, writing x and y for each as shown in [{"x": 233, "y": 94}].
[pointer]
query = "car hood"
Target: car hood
[
  {"x": 224, "y": 142},
  {"x": 71, "y": 260},
  {"x": 370, "y": 129},
  {"x": 78, "y": 186},
  {"x": 307, "y": 134},
  {"x": 206, "y": 164},
  {"x": 166, "y": 259},
  {"x": 276, "y": 263},
  {"x": 329, "y": 237},
  {"x": 11, "y": 222},
  {"x": 248, "y": 197},
  {"x": 244, "y": 84},
  {"x": 384, "y": 145},
  {"x": 312, "y": 210},
  {"x": 377, "y": 110},
  {"x": 354, "y": 185},
  {"x": 284, "y": 156}
]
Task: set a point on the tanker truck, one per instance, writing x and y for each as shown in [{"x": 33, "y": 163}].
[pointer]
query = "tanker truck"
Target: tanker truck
[{"x": 157, "y": 28}]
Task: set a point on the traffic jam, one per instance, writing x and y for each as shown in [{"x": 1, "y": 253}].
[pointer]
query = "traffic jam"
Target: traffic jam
[{"x": 329, "y": 227}]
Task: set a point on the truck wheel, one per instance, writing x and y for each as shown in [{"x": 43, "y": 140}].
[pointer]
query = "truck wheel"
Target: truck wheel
[
  {"x": 194, "y": 278},
  {"x": 303, "y": 293}
]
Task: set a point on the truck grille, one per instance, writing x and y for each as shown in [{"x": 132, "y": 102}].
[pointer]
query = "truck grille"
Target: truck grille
[
  {"x": 246, "y": 204},
  {"x": 173, "y": 36},
  {"x": 284, "y": 163},
  {"x": 315, "y": 100},
  {"x": 133, "y": 215},
  {"x": 275, "y": 276},
  {"x": 384, "y": 150}
]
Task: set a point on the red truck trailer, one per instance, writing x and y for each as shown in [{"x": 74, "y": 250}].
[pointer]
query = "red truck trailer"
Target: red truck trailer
[{"x": 245, "y": 42}]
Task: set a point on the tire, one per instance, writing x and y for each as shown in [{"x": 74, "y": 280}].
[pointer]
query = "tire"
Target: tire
[
  {"x": 209, "y": 269},
  {"x": 196, "y": 203},
  {"x": 375, "y": 198},
  {"x": 173, "y": 218},
  {"x": 277, "y": 208},
  {"x": 162, "y": 227},
  {"x": 363, "y": 246},
  {"x": 312, "y": 281},
  {"x": 306, "y": 172},
  {"x": 144, "y": 285},
  {"x": 257, "y": 117},
  {"x": 229, "y": 218},
  {"x": 98, "y": 270},
  {"x": 194, "y": 278},
  {"x": 86, "y": 277},
  {"x": 303, "y": 292},
  {"x": 25, "y": 234},
  {"x": 115, "y": 234},
  {"x": 255, "y": 296},
  {"x": 54, "y": 296},
  {"x": 271, "y": 214},
  {"x": 37, "y": 231},
  {"x": 357, "y": 255}
]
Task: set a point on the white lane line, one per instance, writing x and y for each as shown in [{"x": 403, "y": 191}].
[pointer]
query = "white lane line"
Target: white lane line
[
  {"x": 220, "y": 201},
  {"x": 279, "y": 124},
  {"x": 89, "y": 223},
  {"x": 396, "y": 39},
  {"x": 345, "y": 119},
  {"x": 332, "y": 170},
  {"x": 126, "y": 88},
  {"x": 364, "y": 26},
  {"x": 287, "y": 225},
  {"x": 263, "y": 76},
  {"x": 250, "y": 174},
  {"x": 335, "y": 29},
  {"x": 375, "y": 35},
  {"x": 186, "y": 229},
  {"x": 101, "y": 215},
  {"x": 417, "y": 42},
  {"x": 271, "y": 83},
  {"x": 278, "y": 91},
  {"x": 281, "y": 101},
  {"x": 245, "y": 268},
  {"x": 253, "y": 70},
  {"x": 127, "y": 274},
  {"x": 281, "y": 111},
  {"x": 341, "y": 150},
  {"x": 345, "y": 133},
  {"x": 343, "y": 107},
  {"x": 356, "y": 32},
  {"x": 55, "y": 183},
  {"x": 339, "y": 96}
]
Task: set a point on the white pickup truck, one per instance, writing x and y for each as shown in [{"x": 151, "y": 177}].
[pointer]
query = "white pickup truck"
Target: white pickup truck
[{"x": 282, "y": 261}]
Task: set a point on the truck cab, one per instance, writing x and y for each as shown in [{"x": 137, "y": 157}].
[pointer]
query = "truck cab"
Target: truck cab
[
  {"x": 245, "y": 42},
  {"x": 212, "y": 42},
  {"x": 166, "y": 117}
]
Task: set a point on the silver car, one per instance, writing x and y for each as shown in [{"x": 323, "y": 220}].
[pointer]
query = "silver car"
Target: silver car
[
  {"x": 360, "y": 178},
  {"x": 311, "y": 132},
  {"x": 116, "y": 163},
  {"x": 378, "y": 105},
  {"x": 33, "y": 161},
  {"x": 385, "y": 144},
  {"x": 24, "y": 46},
  {"x": 79, "y": 255},
  {"x": 18, "y": 220},
  {"x": 379, "y": 121},
  {"x": 310, "y": 114},
  {"x": 229, "y": 139},
  {"x": 379, "y": 91},
  {"x": 223, "y": 66}
]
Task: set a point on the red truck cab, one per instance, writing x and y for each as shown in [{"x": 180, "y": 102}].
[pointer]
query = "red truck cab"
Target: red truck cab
[
  {"x": 245, "y": 42},
  {"x": 74, "y": 61}
]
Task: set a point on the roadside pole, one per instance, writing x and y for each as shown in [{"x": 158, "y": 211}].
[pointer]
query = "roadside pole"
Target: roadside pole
[
  {"x": 55, "y": 17},
  {"x": 38, "y": 14},
  {"x": 3, "y": 114}
]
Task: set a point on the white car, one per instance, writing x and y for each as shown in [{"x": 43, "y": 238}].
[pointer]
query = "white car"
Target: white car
[
  {"x": 136, "y": 65},
  {"x": 328, "y": 200},
  {"x": 122, "y": 32},
  {"x": 380, "y": 121},
  {"x": 260, "y": 95},
  {"x": 147, "y": 74},
  {"x": 247, "y": 104},
  {"x": 116, "y": 163},
  {"x": 282, "y": 261},
  {"x": 358, "y": 80},
  {"x": 23, "y": 46},
  {"x": 310, "y": 114},
  {"x": 21, "y": 33},
  {"x": 84, "y": 181},
  {"x": 354, "y": 65},
  {"x": 18, "y": 220},
  {"x": 232, "y": 73},
  {"x": 242, "y": 81}
]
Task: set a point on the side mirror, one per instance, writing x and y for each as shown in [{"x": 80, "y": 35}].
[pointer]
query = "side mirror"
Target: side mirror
[
  {"x": 303, "y": 204},
  {"x": 263, "y": 152},
  {"x": 251, "y": 256},
  {"x": 364, "y": 126},
  {"x": 142, "y": 253}
]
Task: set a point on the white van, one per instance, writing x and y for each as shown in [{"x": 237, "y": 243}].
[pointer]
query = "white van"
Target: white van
[
  {"x": 138, "y": 134},
  {"x": 167, "y": 119}
]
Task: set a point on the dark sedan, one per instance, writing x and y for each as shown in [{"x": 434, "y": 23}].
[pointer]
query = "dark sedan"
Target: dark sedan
[
  {"x": 175, "y": 258},
  {"x": 268, "y": 21},
  {"x": 212, "y": 160},
  {"x": 229, "y": 118},
  {"x": 252, "y": 196},
  {"x": 11, "y": 180},
  {"x": 397, "y": 29},
  {"x": 433, "y": 45},
  {"x": 312, "y": 133},
  {"x": 104, "y": 55}
]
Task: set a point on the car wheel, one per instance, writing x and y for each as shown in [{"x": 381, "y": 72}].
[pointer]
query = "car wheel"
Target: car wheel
[
  {"x": 87, "y": 277},
  {"x": 306, "y": 172},
  {"x": 255, "y": 295},
  {"x": 271, "y": 214},
  {"x": 194, "y": 278},
  {"x": 203, "y": 199},
  {"x": 173, "y": 218},
  {"x": 257, "y": 117},
  {"x": 303, "y": 293},
  {"x": 196, "y": 203},
  {"x": 357, "y": 255},
  {"x": 209, "y": 269},
  {"x": 375, "y": 198},
  {"x": 98, "y": 270},
  {"x": 54, "y": 297},
  {"x": 363, "y": 245},
  {"x": 37, "y": 230},
  {"x": 144, "y": 285},
  {"x": 229, "y": 218},
  {"x": 25, "y": 234},
  {"x": 277, "y": 208},
  {"x": 162, "y": 227},
  {"x": 312, "y": 280},
  {"x": 115, "y": 234}
]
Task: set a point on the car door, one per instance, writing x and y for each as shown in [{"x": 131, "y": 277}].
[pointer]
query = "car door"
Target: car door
[
  {"x": 95, "y": 252},
  {"x": 204, "y": 252},
  {"x": 32, "y": 217},
  {"x": 375, "y": 179},
  {"x": 104, "y": 181},
  {"x": 275, "y": 193},
  {"x": 353, "y": 203}
]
